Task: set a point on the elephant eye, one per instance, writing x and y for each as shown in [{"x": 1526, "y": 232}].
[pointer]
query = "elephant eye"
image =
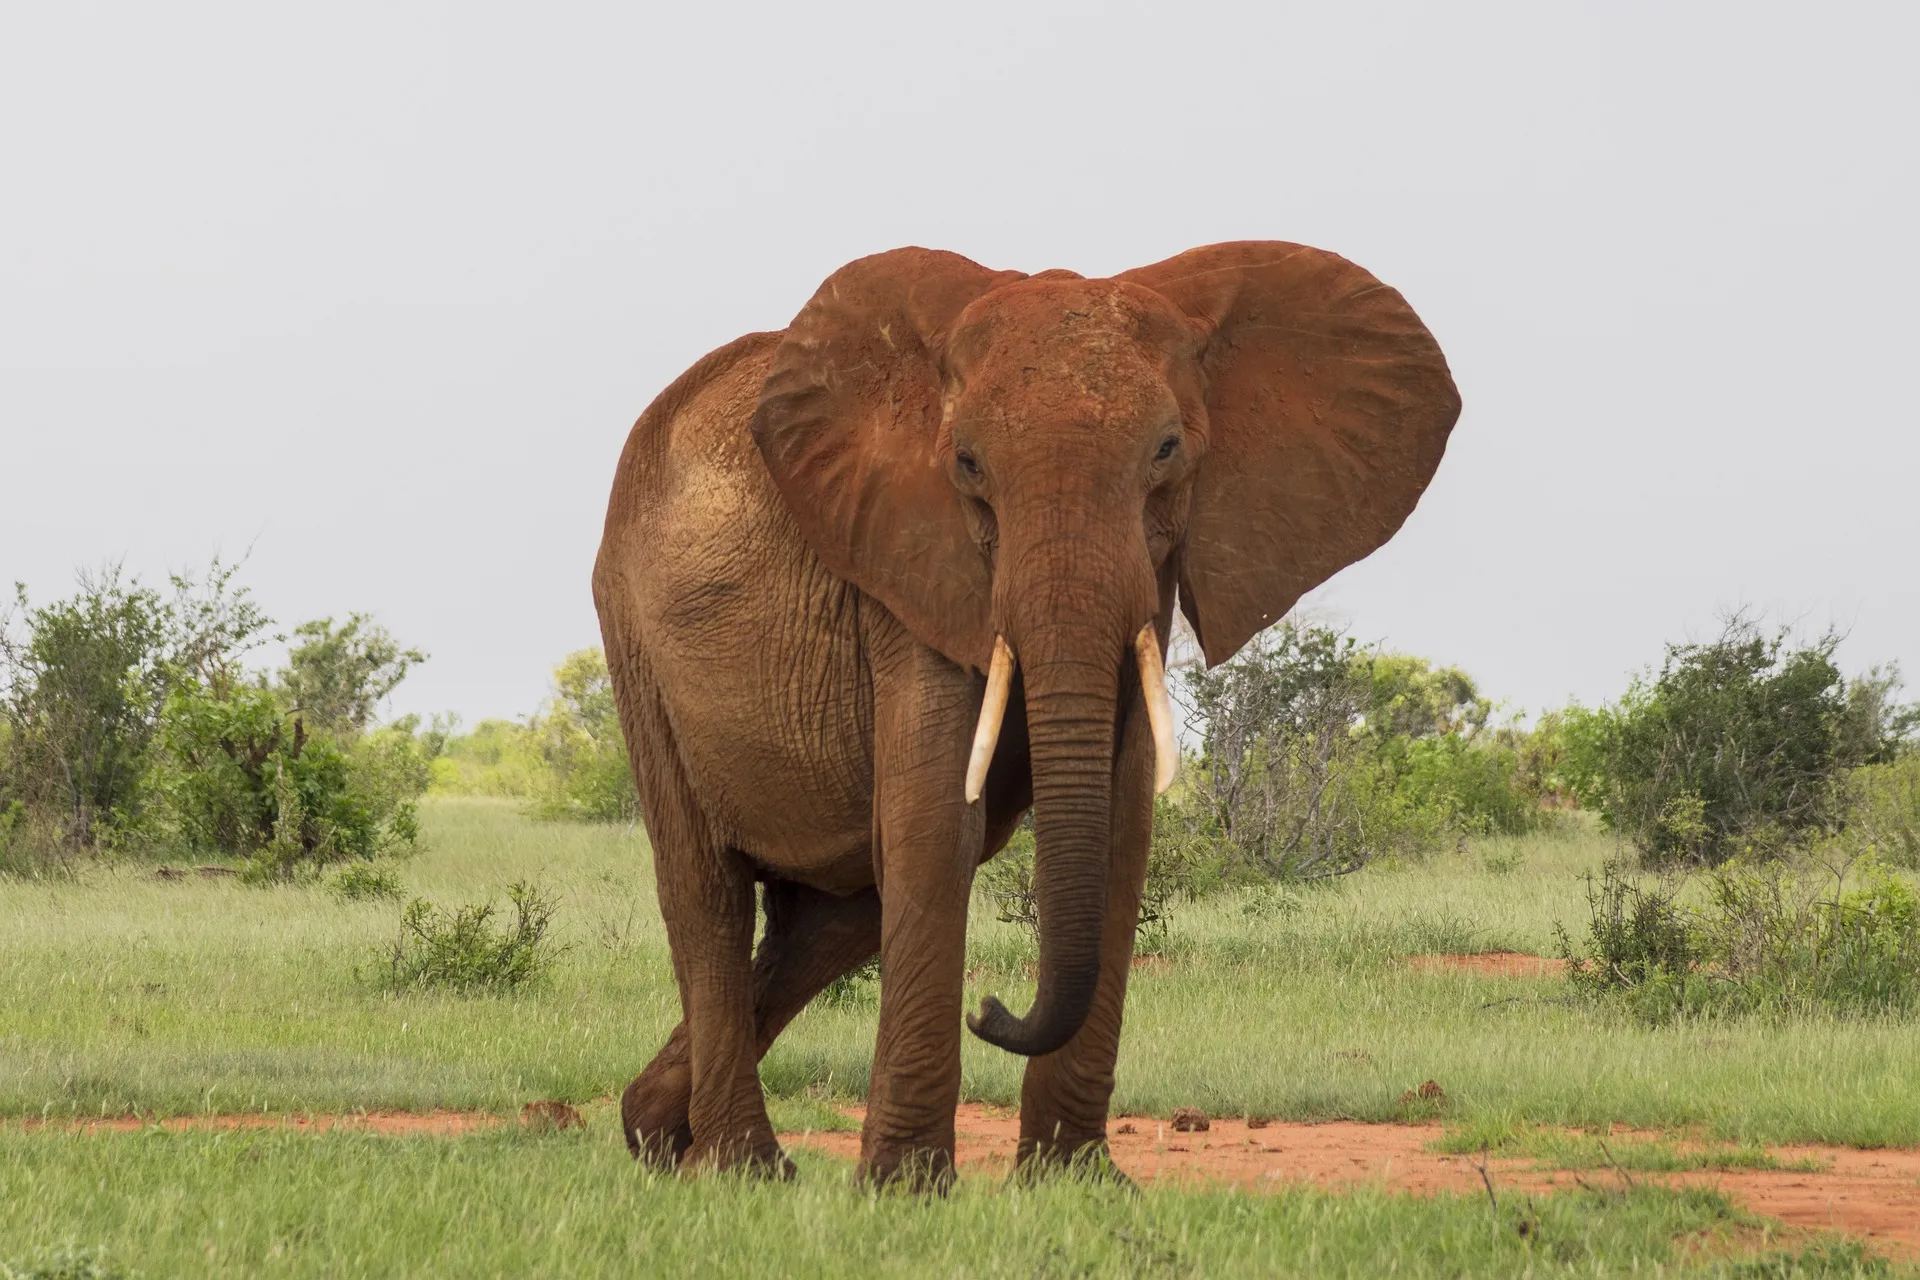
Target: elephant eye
[
  {"x": 1167, "y": 447},
  {"x": 967, "y": 464}
]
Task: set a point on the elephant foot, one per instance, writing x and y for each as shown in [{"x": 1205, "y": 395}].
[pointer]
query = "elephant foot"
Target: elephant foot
[
  {"x": 1090, "y": 1162},
  {"x": 653, "y": 1115},
  {"x": 743, "y": 1157},
  {"x": 917, "y": 1170}
]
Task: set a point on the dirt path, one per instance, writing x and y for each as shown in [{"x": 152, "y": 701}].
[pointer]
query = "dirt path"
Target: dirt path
[
  {"x": 1871, "y": 1194},
  {"x": 1492, "y": 964}
]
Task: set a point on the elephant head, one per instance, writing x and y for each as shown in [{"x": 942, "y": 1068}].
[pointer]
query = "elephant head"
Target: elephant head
[{"x": 1023, "y": 469}]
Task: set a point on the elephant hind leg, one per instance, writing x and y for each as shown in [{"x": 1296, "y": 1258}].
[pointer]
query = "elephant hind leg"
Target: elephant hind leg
[
  {"x": 653, "y": 1110},
  {"x": 812, "y": 938}
]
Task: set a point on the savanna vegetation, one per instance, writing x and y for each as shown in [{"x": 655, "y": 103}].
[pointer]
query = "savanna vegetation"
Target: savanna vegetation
[{"x": 433, "y": 919}]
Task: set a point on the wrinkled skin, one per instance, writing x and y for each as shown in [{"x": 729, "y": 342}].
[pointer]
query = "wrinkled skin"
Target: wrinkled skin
[{"x": 815, "y": 537}]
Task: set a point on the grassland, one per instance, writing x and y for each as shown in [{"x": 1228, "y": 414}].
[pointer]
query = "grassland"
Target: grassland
[
  {"x": 266, "y": 1203},
  {"x": 121, "y": 993}
]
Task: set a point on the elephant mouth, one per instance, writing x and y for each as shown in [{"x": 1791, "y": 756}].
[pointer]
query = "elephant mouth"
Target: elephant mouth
[{"x": 1153, "y": 686}]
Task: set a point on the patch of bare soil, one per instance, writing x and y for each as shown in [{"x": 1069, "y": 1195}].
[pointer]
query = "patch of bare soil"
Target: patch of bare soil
[
  {"x": 1493, "y": 964},
  {"x": 1871, "y": 1194}
]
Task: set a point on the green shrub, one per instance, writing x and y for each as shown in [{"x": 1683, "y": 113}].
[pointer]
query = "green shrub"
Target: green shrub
[
  {"x": 81, "y": 686},
  {"x": 857, "y": 986},
  {"x": 589, "y": 777},
  {"x": 498, "y": 758},
  {"x": 1637, "y": 936},
  {"x": 1884, "y": 809},
  {"x": 1409, "y": 698},
  {"x": 1771, "y": 937},
  {"x": 366, "y": 881},
  {"x": 1177, "y": 869},
  {"x": 128, "y": 721},
  {"x": 33, "y": 844},
  {"x": 1738, "y": 745},
  {"x": 1290, "y": 780},
  {"x": 241, "y": 776},
  {"x": 1475, "y": 782},
  {"x": 1797, "y": 940},
  {"x": 463, "y": 951},
  {"x": 1006, "y": 881}
]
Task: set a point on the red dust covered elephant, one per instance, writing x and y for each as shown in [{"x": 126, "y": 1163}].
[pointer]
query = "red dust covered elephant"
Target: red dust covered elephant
[{"x": 875, "y": 586}]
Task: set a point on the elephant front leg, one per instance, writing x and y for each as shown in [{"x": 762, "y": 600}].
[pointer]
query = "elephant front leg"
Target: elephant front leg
[
  {"x": 1064, "y": 1095},
  {"x": 928, "y": 842}
]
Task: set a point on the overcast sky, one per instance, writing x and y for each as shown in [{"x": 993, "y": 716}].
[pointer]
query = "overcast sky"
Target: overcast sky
[{"x": 377, "y": 289}]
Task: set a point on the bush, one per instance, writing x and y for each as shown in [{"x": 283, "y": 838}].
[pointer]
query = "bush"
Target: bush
[
  {"x": 241, "y": 776},
  {"x": 32, "y": 845},
  {"x": 569, "y": 759},
  {"x": 366, "y": 881},
  {"x": 589, "y": 777},
  {"x": 128, "y": 721},
  {"x": 1884, "y": 809},
  {"x": 1176, "y": 869},
  {"x": 463, "y": 951},
  {"x": 1475, "y": 783},
  {"x": 1317, "y": 757},
  {"x": 81, "y": 686},
  {"x": 1770, "y": 938},
  {"x": 857, "y": 986},
  {"x": 499, "y": 758},
  {"x": 1737, "y": 745},
  {"x": 1637, "y": 937},
  {"x": 1786, "y": 943}
]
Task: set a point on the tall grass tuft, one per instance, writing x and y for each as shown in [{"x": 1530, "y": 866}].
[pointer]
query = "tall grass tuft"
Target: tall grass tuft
[{"x": 461, "y": 950}]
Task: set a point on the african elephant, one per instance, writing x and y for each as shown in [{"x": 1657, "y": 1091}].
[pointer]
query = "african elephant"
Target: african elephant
[{"x": 874, "y": 586}]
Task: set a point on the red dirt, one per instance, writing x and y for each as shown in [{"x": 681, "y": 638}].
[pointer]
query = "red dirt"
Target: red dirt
[
  {"x": 1871, "y": 1194},
  {"x": 1494, "y": 964}
]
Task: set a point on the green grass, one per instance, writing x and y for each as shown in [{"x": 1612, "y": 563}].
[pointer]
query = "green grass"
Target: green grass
[
  {"x": 1565, "y": 1149},
  {"x": 120, "y": 993},
  {"x": 276, "y": 1203}
]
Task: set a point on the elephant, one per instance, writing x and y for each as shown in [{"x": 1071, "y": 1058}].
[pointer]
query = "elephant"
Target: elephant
[{"x": 875, "y": 586}]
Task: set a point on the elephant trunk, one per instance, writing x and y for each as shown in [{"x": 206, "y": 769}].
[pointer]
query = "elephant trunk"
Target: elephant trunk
[{"x": 1072, "y": 683}]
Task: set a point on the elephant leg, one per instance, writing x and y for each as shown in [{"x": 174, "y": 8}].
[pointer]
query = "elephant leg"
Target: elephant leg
[
  {"x": 653, "y": 1110},
  {"x": 927, "y": 844},
  {"x": 709, "y": 911},
  {"x": 811, "y": 939},
  {"x": 1064, "y": 1095}
]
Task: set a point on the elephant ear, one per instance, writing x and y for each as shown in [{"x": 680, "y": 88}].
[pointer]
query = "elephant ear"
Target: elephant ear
[
  {"x": 1328, "y": 407},
  {"x": 848, "y": 423}
]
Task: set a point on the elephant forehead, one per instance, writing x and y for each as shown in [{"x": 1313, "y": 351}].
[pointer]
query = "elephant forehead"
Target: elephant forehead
[{"x": 1089, "y": 349}]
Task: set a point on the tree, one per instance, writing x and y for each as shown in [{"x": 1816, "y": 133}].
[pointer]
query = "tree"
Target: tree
[
  {"x": 1740, "y": 743},
  {"x": 131, "y": 719},
  {"x": 590, "y": 777},
  {"x": 1287, "y": 777},
  {"x": 336, "y": 677},
  {"x": 81, "y": 686}
]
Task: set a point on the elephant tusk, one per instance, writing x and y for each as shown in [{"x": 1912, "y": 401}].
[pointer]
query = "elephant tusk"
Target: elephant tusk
[
  {"x": 993, "y": 709},
  {"x": 1153, "y": 683}
]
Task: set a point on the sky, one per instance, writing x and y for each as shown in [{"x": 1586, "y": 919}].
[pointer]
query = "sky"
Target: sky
[{"x": 371, "y": 293}]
